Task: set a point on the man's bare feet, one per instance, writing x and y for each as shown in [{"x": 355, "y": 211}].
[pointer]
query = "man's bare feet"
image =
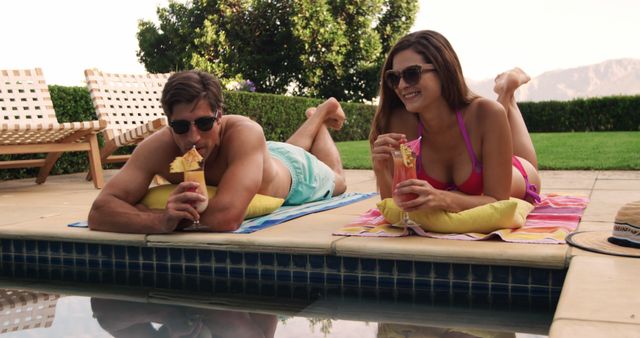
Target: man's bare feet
[
  {"x": 506, "y": 83},
  {"x": 332, "y": 111}
]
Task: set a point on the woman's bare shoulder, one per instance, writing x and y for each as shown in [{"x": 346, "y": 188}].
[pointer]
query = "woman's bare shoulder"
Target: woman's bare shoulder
[{"x": 483, "y": 110}]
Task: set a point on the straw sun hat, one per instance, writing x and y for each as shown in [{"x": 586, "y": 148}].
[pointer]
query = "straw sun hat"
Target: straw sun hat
[{"x": 625, "y": 240}]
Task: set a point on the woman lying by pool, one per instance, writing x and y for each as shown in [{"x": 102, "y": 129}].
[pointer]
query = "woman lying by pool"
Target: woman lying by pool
[{"x": 472, "y": 150}]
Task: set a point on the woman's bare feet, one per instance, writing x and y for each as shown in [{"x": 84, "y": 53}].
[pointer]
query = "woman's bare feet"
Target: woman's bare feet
[
  {"x": 332, "y": 111},
  {"x": 508, "y": 82}
]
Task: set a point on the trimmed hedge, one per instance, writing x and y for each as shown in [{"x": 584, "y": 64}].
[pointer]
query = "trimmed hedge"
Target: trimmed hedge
[
  {"x": 612, "y": 113},
  {"x": 281, "y": 115}
]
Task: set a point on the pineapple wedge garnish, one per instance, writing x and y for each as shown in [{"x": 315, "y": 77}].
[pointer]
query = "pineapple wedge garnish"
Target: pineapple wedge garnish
[
  {"x": 189, "y": 161},
  {"x": 408, "y": 158}
]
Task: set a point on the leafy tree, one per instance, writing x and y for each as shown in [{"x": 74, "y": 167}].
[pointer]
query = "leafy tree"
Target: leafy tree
[{"x": 316, "y": 48}]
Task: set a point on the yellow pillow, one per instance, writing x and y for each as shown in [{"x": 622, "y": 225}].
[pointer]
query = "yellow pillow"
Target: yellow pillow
[
  {"x": 156, "y": 198},
  {"x": 507, "y": 214}
]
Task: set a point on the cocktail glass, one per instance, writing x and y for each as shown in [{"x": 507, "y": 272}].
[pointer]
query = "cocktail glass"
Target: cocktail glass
[
  {"x": 197, "y": 176},
  {"x": 403, "y": 171}
]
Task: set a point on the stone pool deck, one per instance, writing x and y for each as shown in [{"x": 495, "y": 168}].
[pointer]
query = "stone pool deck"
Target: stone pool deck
[{"x": 597, "y": 298}]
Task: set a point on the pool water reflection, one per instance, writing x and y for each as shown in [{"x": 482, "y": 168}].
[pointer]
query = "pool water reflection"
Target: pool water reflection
[{"x": 77, "y": 311}]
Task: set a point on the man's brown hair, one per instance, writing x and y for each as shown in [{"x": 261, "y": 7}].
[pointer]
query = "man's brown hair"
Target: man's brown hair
[{"x": 189, "y": 87}]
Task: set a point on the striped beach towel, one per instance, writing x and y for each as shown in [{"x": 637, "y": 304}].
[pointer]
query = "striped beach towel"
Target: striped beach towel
[{"x": 549, "y": 222}]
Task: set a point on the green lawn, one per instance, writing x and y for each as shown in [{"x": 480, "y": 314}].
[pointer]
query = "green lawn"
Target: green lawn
[{"x": 583, "y": 151}]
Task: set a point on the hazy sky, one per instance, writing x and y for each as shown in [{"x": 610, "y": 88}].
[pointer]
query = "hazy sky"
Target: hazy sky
[{"x": 64, "y": 37}]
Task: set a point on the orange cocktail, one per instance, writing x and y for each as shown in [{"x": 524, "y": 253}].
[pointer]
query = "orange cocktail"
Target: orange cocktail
[{"x": 404, "y": 168}]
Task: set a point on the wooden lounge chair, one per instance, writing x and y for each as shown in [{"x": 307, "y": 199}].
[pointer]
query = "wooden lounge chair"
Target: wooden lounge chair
[
  {"x": 130, "y": 103},
  {"x": 28, "y": 125}
]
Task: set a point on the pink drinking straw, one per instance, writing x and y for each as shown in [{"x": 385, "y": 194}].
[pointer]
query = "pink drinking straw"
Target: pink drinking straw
[{"x": 414, "y": 145}]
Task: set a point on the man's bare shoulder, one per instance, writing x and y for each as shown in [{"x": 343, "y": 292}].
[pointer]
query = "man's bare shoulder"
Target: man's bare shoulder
[{"x": 241, "y": 126}]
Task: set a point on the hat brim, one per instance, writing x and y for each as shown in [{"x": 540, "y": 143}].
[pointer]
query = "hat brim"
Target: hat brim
[{"x": 597, "y": 241}]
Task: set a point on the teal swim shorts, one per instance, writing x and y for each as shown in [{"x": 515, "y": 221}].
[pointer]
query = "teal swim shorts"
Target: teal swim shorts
[{"x": 311, "y": 179}]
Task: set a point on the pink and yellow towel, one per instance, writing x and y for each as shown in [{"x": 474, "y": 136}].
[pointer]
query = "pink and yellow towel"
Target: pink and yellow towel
[{"x": 549, "y": 222}]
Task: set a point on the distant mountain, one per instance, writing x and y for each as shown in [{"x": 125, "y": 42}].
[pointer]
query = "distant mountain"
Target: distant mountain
[{"x": 611, "y": 77}]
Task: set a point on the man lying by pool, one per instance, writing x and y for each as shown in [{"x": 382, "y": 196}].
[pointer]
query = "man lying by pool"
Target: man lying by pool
[{"x": 236, "y": 158}]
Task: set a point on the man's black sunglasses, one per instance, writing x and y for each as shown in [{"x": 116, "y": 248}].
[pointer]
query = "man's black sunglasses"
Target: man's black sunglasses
[
  {"x": 411, "y": 75},
  {"x": 202, "y": 123}
]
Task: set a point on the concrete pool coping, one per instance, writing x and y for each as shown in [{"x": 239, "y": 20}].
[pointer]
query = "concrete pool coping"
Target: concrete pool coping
[{"x": 596, "y": 300}]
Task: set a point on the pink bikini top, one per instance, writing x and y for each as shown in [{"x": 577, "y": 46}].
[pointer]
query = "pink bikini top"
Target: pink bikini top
[{"x": 473, "y": 184}]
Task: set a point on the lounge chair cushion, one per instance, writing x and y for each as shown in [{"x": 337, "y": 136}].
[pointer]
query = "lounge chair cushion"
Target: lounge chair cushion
[
  {"x": 156, "y": 198},
  {"x": 507, "y": 214}
]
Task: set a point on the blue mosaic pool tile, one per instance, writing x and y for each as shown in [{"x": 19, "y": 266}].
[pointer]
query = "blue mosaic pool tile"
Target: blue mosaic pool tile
[
  {"x": 18, "y": 246},
  {"x": 500, "y": 274},
  {"x": 80, "y": 249},
  {"x": 368, "y": 266},
  {"x": 267, "y": 275},
  {"x": 162, "y": 268},
  {"x": 349, "y": 279},
  {"x": 235, "y": 272},
  {"x": 251, "y": 273},
  {"x": 299, "y": 261},
  {"x": 235, "y": 258},
  {"x": 404, "y": 283},
  {"x": 541, "y": 304},
  {"x": 220, "y": 257},
  {"x": 519, "y": 302},
  {"x": 176, "y": 255},
  {"x": 283, "y": 276},
  {"x": 43, "y": 247},
  {"x": 56, "y": 261},
  {"x": 190, "y": 256},
  {"x": 205, "y": 257},
  {"x": 460, "y": 271},
  {"x": 333, "y": 279},
  {"x": 221, "y": 271},
  {"x": 163, "y": 281},
  {"x": 6, "y": 245},
  {"x": 519, "y": 290},
  {"x": 557, "y": 277},
  {"x": 539, "y": 291},
  {"x": 148, "y": 280},
  {"x": 104, "y": 263},
  {"x": 283, "y": 290},
  {"x": 252, "y": 288},
  {"x": 300, "y": 277},
  {"x": 176, "y": 281},
  {"x": 162, "y": 255},
  {"x": 177, "y": 269},
  {"x": 441, "y": 270},
  {"x": 460, "y": 286},
  {"x": 147, "y": 267},
  {"x": 386, "y": 282},
  {"x": 480, "y": 288},
  {"x": 283, "y": 261},
  {"x": 119, "y": 252},
  {"x": 300, "y": 292},
  {"x": 93, "y": 250},
  {"x": 108, "y": 276},
  {"x": 191, "y": 282},
  {"x": 43, "y": 260},
  {"x": 350, "y": 264},
  {"x": 81, "y": 263},
  {"x": 205, "y": 270},
  {"x": 93, "y": 263},
  {"x": 497, "y": 288},
  {"x": 385, "y": 267},
  {"x": 68, "y": 276},
  {"x": 441, "y": 286},
  {"x": 422, "y": 284},
  {"x": 480, "y": 273},
  {"x": 55, "y": 248},
  {"x": 119, "y": 265},
  {"x": 316, "y": 262},
  {"x": 386, "y": 293},
  {"x": 106, "y": 251},
  {"x": 316, "y": 277},
  {"x": 333, "y": 264},
  {"x": 520, "y": 275},
  {"x": 133, "y": 253},
  {"x": 191, "y": 269},
  {"x": 30, "y": 247},
  {"x": 368, "y": 281},
  {"x": 66, "y": 261},
  {"x": 31, "y": 259},
  {"x": 404, "y": 268},
  {"x": 540, "y": 277},
  {"x": 251, "y": 258}
]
